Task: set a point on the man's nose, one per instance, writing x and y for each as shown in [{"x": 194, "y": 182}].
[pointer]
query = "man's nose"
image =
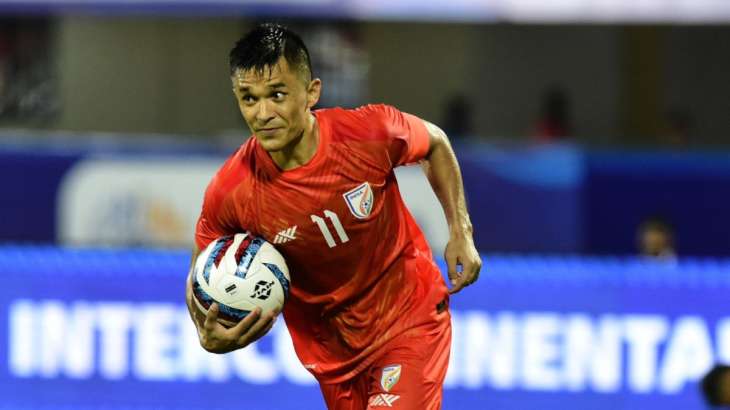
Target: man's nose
[{"x": 265, "y": 113}]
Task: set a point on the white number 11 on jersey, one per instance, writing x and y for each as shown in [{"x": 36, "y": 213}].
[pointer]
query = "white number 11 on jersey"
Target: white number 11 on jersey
[{"x": 322, "y": 224}]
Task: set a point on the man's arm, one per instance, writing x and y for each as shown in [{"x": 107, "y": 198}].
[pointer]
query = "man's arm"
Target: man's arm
[
  {"x": 443, "y": 173},
  {"x": 213, "y": 336}
]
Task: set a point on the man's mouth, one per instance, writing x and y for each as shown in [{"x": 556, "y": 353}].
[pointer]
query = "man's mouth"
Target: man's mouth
[{"x": 267, "y": 131}]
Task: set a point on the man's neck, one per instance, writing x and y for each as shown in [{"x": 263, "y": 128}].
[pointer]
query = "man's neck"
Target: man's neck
[{"x": 302, "y": 150}]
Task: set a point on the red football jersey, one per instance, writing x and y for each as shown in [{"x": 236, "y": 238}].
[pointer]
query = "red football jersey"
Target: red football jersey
[{"x": 361, "y": 270}]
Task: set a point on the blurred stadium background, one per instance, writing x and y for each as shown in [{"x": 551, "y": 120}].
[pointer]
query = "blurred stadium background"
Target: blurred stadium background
[{"x": 594, "y": 139}]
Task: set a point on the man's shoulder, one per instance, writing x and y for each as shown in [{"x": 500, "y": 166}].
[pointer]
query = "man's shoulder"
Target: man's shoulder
[
  {"x": 363, "y": 112},
  {"x": 367, "y": 122},
  {"x": 232, "y": 169}
]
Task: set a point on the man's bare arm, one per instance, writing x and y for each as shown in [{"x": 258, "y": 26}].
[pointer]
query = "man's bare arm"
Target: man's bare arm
[{"x": 442, "y": 170}]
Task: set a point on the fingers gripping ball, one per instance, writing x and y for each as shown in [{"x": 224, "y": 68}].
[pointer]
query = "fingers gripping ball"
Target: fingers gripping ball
[{"x": 240, "y": 272}]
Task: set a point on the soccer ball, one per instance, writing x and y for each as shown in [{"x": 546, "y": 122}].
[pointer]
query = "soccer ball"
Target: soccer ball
[{"x": 240, "y": 272}]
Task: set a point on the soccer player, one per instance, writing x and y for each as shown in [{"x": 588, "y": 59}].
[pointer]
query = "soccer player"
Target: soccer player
[
  {"x": 368, "y": 308},
  {"x": 716, "y": 386}
]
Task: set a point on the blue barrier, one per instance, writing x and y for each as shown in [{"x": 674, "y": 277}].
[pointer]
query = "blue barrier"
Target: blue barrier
[
  {"x": 82, "y": 329},
  {"x": 523, "y": 199},
  {"x": 688, "y": 189}
]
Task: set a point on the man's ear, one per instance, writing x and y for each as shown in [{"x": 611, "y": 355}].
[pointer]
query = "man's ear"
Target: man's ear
[{"x": 314, "y": 90}]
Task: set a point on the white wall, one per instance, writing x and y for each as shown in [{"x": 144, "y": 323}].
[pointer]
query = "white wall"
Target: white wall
[{"x": 146, "y": 75}]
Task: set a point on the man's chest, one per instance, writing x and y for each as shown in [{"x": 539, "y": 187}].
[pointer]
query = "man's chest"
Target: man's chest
[{"x": 312, "y": 215}]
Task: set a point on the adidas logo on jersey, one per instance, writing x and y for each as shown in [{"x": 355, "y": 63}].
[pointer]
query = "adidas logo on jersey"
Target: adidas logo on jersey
[
  {"x": 383, "y": 400},
  {"x": 286, "y": 235}
]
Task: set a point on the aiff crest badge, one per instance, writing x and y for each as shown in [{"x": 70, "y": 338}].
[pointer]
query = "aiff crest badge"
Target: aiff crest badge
[
  {"x": 360, "y": 200},
  {"x": 391, "y": 375}
]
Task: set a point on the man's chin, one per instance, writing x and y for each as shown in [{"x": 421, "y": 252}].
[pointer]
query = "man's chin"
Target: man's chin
[{"x": 270, "y": 145}]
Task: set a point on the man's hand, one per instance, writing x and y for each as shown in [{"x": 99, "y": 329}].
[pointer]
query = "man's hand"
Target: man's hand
[
  {"x": 215, "y": 338},
  {"x": 460, "y": 251}
]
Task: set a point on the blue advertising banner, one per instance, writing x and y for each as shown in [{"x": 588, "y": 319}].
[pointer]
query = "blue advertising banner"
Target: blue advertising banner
[{"x": 89, "y": 329}]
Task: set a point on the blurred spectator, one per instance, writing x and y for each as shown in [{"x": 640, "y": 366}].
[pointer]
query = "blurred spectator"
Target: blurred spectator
[
  {"x": 716, "y": 386},
  {"x": 656, "y": 239},
  {"x": 340, "y": 59},
  {"x": 457, "y": 120},
  {"x": 5, "y": 65},
  {"x": 28, "y": 84},
  {"x": 554, "y": 121},
  {"x": 678, "y": 126}
]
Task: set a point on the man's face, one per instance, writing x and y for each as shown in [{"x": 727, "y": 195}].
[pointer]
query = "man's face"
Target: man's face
[
  {"x": 654, "y": 242},
  {"x": 724, "y": 389},
  {"x": 275, "y": 103}
]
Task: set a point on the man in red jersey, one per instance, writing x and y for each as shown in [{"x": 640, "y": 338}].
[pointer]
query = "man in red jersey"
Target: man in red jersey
[{"x": 368, "y": 308}]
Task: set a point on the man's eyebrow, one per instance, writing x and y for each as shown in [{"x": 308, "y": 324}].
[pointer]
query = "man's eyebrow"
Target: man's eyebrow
[{"x": 245, "y": 88}]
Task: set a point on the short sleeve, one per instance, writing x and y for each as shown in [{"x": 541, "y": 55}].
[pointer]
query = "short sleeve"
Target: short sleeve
[
  {"x": 205, "y": 232},
  {"x": 207, "y": 229},
  {"x": 406, "y": 134}
]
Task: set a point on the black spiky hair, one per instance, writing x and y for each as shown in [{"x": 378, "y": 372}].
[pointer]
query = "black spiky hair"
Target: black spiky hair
[{"x": 261, "y": 48}]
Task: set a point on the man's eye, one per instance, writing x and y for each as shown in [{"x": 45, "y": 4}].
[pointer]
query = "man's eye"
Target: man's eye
[
  {"x": 248, "y": 99},
  {"x": 278, "y": 95}
]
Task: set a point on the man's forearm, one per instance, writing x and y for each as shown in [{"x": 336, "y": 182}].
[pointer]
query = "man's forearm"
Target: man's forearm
[
  {"x": 444, "y": 174},
  {"x": 442, "y": 170}
]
